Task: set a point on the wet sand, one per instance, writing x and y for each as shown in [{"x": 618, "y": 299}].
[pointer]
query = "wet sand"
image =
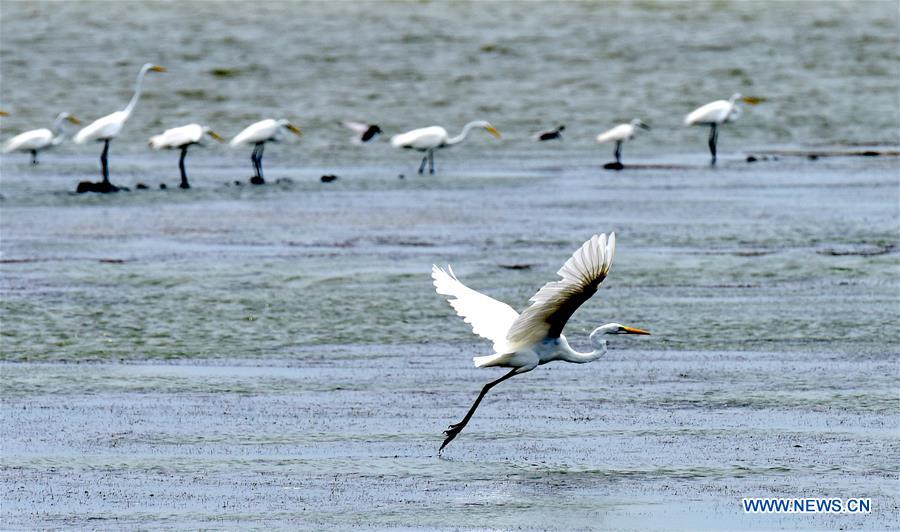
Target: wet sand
[
  {"x": 277, "y": 356},
  {"x": 347, "y": 436}
]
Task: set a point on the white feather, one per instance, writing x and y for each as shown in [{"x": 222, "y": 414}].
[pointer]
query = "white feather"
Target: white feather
[{"x": 488, "y": 317}]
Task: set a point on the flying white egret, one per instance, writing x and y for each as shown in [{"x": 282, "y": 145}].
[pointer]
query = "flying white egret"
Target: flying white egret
[
  {"x": 428, "y": 139},
  {"x": 182, "y": 138},
  {"x": 525, "y": 341},
  {"x": 620, "y": 134},
  {"x": 363, "y": 132},
  {"x": 716, "y": 113},
  {"x": 269, "y": 130},
  {"x": 549, "y": 134},
  {"x": 37, "y": 140},
  {"x": 107, "y": 128}
]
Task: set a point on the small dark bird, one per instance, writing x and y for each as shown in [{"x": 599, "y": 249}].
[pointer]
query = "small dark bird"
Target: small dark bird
[
  {"x": 549, "y": 134},
  {"x": 364, "y": 132}
]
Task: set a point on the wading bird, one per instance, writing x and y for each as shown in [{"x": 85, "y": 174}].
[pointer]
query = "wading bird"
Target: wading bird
[
  {"x": 38, "y": 140},
  {"x": 620, "y": 134},
  {"x": 182, "y": 138},
  {"x": 429, "y": 139},
  {"x": 363, "y": 132},
  {"x": 549, "y": 134},
  {"x": 269, "y": 130},
  {"x": 716, "y": 113},
  {"x": 525, "y": 341},
  {"x": 107, "y": 128}
]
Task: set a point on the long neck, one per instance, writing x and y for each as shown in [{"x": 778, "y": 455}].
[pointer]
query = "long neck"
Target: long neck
[
  {"x": 59, "y": 132},
  {"x": 570, "y": 355},
  {"x": 58, "y": 124},
  {"x": 462, "y": 136},
  {"x": 137, "y": 92}
]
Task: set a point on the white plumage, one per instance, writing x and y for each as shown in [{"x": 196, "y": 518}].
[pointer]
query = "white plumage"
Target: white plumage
[
  {"x": 429, "y": 139},
  {"x": 620, "y": 134},
  {"x": 179, "y": 137},
  {"x": 534, "y": 337},
  {"x": 488, "y": 317},
  {"x": 108, "y": 127},
  {"x": 269, "y": 130},
  {"x": 717, "y": 112},
  {"x": 258, "y": 134},
  {"x": 38, "y": 140},
  {"x": 105, "y": 128}
]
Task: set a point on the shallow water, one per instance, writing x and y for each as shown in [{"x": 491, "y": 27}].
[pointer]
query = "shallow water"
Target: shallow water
[{"x": 277, "y": 356}]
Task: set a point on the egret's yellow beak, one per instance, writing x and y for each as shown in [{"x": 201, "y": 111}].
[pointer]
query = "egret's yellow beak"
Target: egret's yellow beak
[
  {"x": 752, "y": 100},
  {"x": 215, "y": 135},
  {"x": 4, "y": 113},
  {"x": 493, "y": 131},
  {"x": 73, "y": 119},
  {"x": 157, "y": 68},
  {"x": 294, "y": 129},
  {"x": 632, "y": 330}
]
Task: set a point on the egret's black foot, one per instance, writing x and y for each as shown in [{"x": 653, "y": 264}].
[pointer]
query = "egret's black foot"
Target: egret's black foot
[
  {"x": 185, "y": 186},
  {"x": 102, "y": 187},
  {"x": 141, "y": 186},
  {"x": 328, "y": 178},
  {"x": 613, "y": 166},
  {"x": 451, "y": 433},
  {"x": 163, "y": 186},
  {"x": 257, "y": 180}
]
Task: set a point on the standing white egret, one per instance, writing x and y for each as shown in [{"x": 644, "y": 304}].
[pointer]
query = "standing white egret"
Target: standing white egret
[
  {"x": 107, "y": 128},
  {"x": 182, "y": 138},
  {"x": 715, "y": 114},
  {"x": 428, "y": 139},
  {"x": 38, "y": 140},
  {"x": 269, "y": 130},
  {"x": 525, "y": 341},
  {"x": 620, "y": 134},
  {"x": 362, "y": 132}
]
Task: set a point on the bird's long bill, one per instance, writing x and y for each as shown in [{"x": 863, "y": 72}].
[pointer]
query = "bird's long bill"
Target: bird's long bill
[
  {"x": 644, "y": 126},
  {"x": 157, "y": 68},
  {"x": 753, "y": 100},
  {"x": 215, "y": 135},
  {"x": 73, "y": 119},
  {"x": 632, "y": 330},
  {"x": 493, "y": 131},
  {"x": 294, "y": 129},
  {"x": 3, "y": 113}
]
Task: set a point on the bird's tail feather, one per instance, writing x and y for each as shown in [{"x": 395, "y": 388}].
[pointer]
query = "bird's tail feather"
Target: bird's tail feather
[{"x": 497, "y": 359}]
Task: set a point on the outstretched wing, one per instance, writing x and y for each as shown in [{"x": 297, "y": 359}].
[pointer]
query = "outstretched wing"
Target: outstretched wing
[
  {"x": 556, "y": 301},
  {"x": 488, "y": 317}
]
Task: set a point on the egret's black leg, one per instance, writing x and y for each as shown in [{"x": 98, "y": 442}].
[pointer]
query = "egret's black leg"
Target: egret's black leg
[
  {"x": 619, "y": 151},
  {"x": 431, "y": 162},
  {"x": 184, "y": 179},
  {"x": 34, "y": 157},
  {"x": 713, "y": 138},
  {"x": 103, "y": 162},
  {"x": 253, "y": 160},
  {"x": 259, "y": 170},
  {"x": 256, "y": 157},
  {"x": 455, "y": 429},
  {"x": 422, "y": 166}
]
